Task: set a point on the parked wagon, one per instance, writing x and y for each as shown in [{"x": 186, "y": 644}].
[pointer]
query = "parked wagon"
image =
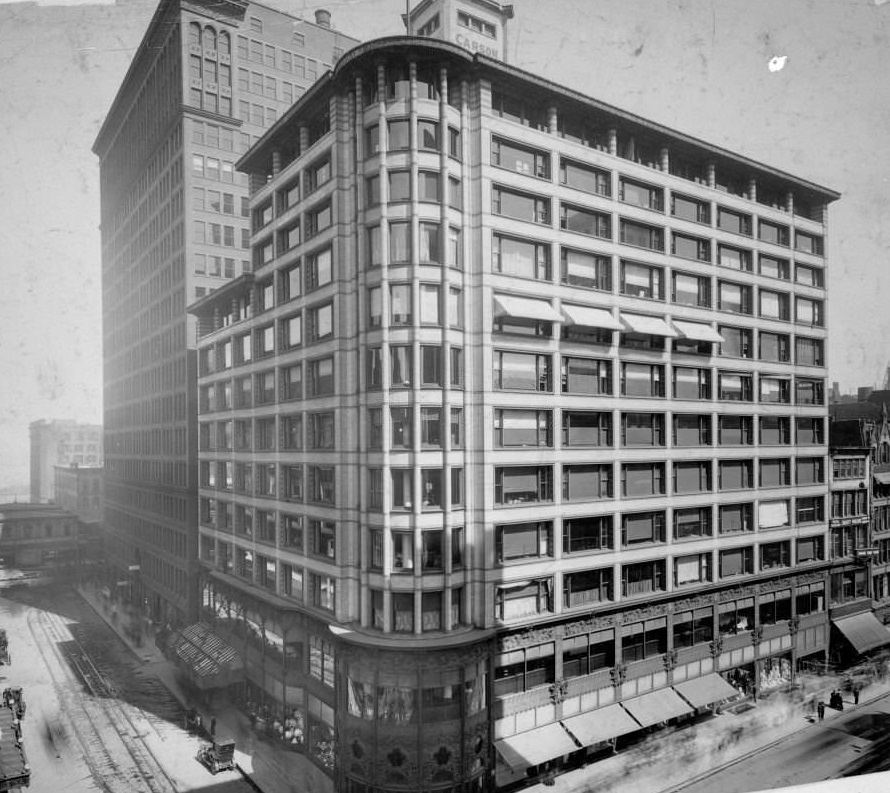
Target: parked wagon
[{"x": 218, "y": 756}]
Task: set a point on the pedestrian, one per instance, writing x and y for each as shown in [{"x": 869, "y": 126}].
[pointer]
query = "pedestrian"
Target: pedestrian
[
  {"x": 855, "y": 695},
  {"x": 820, "y": 708},
  {"x": 212, "y": 726}
]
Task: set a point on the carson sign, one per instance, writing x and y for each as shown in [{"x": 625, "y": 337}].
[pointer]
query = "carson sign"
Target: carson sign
[{"x": 475, "y": 45}]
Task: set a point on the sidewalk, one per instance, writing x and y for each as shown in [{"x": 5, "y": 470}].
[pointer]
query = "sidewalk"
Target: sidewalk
[
  {"x": 267, "y": 767},
  {"x": 671, "y": 759}
]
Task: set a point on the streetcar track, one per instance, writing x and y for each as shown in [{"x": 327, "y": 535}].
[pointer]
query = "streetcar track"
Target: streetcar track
[{"x": 144, "y": 766}]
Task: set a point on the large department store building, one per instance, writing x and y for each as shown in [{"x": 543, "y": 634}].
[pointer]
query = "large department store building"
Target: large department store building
[{"x": 513, "y": 441}]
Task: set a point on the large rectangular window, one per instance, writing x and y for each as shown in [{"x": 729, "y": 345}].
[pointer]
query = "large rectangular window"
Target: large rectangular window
[
  {"x": 580, "y": 535},
  {"x": 585, "y": 177},
  {"x": 642, "y": 236},
  {"x": 522, "y": 371},
  {"x": 586, "y": 482},
  {"x": 736, "y": 474},
  {"x": 521, "y": 258},
  {"x": 643, "y": 578},
  {"x": 774, "y": 347},
  {"x": 685, "y": 246},
  {"x": 736, "y": 518},
  {"x": 735, "y": 222},
  {"x": 692, "y": 522},
  {"x": 691, "y": 290},
  {"x": 642, "y": 380},
  {"x": 775, "y": 430},
  {"x": 692, "y": 383},
  {"x": 692, "y": 477},
  {"x": 735, "y": 298},
  {"x": 586, "y": 428},
  {"x": 523, "y": 541},
  {"x": 809, "y": 352},
  {"x": 642, "y": 280},
  {"x": 735, "y": 430},
  {"x": 735, "y": 386},
  {"x": 521, "y": 206},
  {"x": 809, "y": 312},
  {"x": 773, "y": 233},
  {"x": 691, "y": 209},
  {"x": 642, "y": 429},
  {"x": 737, "y": 342},
  {"x": 523, "y": 428},
  {"x": 588, "y": 586},
  {"x": 809, "y": 392},
  {"x": 641, "y": 194},
  {"x": 585, "y": 376},
  {"x": 588, "y": 270},
  {"x": 642, "y": 528},
  {"x": 642, "y": 479},
  {"x": 523, "y": 484},
  {"x": 693, "y": 569},
  {"x": 691, "y": 429},
  {"x": 736, "y": 561},
  {"x": 519, "y": 158},
  {"x": 585, "y": 221}
]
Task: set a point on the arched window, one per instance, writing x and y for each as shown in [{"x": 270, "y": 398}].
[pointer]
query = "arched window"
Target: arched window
[
  {"x": 209, "y": 38},
  {"x": 225, "y": 45},
  {"x": 884, "y": 453},
  {"x": 194, "y": 33}
]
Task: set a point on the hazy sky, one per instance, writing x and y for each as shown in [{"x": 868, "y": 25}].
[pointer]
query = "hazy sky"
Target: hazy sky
[{"x": 699, "y": 66}]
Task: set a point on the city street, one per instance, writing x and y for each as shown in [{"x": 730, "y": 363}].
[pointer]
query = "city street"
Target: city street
[
  {"x": 95, "y": 721},
  {"x": 774, "y": 743}
]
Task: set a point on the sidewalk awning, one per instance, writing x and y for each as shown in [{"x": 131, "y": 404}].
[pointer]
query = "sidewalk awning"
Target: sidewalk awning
[
  {"x": 697, "y": 331},
  {"x": 705, "y": 690},
  {"x": 590, "y": 317},
  {"x": 535, "y": 746},
  {"x": 863, "y": 631},
  {"x": 210, "y": 662},
  {"x": 656, "y": 706},
  {"x": 883, "y": 477},
  {"x": 653, "y": 326},
  {"x": 601, "y": 724},
  {"x": 525, "y": 308}
]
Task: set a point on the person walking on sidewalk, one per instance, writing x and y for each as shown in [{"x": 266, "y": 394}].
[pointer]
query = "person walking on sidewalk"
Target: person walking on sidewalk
[
  {"x": 856, "y": 695},
  {"x": 820, "y": 709}
]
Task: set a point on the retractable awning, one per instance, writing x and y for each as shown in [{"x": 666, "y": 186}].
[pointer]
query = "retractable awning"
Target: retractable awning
[
  {"x": 656, "y": 706},
  {"x": 601, "y": 724},
  {"x": 654, "y": 326},
  {"x": 210, "y": 661},
  {"x": 525, "y": 308},
  {"x": 883, "y": 477},
  {"x": 535, "y": 746},
  {"x": 705, "y": 690},
  {"x": 696, "y": 331},
  {"x": 863, "y": 631},
  {"x": 590, "y": 317}
]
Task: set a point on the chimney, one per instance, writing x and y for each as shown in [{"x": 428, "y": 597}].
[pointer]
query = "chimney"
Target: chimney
[{"x": 323, "y": 18}]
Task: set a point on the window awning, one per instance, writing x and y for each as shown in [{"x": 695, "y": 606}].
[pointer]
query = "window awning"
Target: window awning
[
  {"x": 525, "y": 308},
  {"x": 705, "y": 690},
  {"x": 863, "y": 631},
  {"x": 210, "y": 662},
  {"x": 535, "y": 746},
  {"x": 601, "y": 724},
  {"x": 883, "y": 477},
  {"x": 656, "y": 706},
  {"x": 654, "y": 326},
  {"x": 697, "y": 331},
  {"x": 590, "y": 317}
]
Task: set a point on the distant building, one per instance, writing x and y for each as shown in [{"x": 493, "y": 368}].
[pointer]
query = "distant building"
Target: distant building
[
  {"x": 41, "y": 536},
  {"x": 207, "y": 80},
  {"x": 79, "y": 490},
  {"x": 60, "y": 443}
]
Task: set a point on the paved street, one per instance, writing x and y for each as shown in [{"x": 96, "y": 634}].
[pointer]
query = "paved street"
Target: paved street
[
  {"x": 772, "y": 744},
  {"x": 95, "y": 720}
]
